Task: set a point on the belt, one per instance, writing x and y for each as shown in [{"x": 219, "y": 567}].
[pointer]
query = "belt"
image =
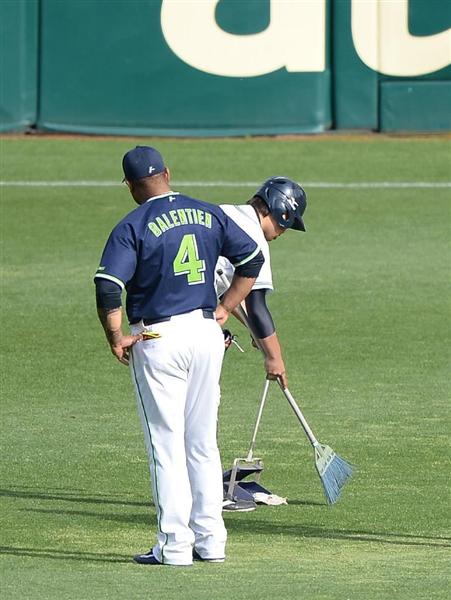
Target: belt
[{"x": 207, "y": 314}]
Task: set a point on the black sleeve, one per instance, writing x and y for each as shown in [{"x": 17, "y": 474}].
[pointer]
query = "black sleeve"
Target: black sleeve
[
  {"x": 258, "y": 314},
  {"x": 108, "y": 294},
  {"x": 252, "y": 267}
]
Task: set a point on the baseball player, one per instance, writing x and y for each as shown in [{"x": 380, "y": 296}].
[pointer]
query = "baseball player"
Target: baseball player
[
  {"x": 164, "y": 254},
  {"x": 278, "y": 205}
]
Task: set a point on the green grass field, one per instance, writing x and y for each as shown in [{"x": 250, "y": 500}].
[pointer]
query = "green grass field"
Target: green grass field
[{"x": 362, "y": 310}]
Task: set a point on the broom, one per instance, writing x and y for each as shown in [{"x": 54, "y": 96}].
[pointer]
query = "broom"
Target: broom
[{"x": 333, "y": 470}]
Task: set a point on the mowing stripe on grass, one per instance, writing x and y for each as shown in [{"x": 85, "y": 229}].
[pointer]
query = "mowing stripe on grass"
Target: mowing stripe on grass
[{"x": 241, "y": 184}]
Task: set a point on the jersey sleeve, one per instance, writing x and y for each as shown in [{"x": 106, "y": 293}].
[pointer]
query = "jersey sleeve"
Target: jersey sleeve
[
  {"x": 237, "y": 246},
  {"x": 252, "y": 227},
  {"x": 118, "y": 262},
  {"x": 264, "y": 279}
]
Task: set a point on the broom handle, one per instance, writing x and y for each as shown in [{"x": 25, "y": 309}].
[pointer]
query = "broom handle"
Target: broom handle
[
  {"x": 298, "y": 413},
  {"x": 286, "y": 392},
  {"x": 257, "y": 422}
]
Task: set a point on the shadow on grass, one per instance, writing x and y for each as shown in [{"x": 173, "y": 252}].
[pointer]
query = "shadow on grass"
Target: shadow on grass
[
  {"x": 307, "y": 503},
  {"x": 245, "y": 522},
  {"x": 256, "y": 527},
  {"x": 65, "y": 554},
  {"x": 69, "y": 496},
  {"x": 267, "y": 527},
  {"x": 84, "y": 497},
  {"x": 146, "y": 518}
]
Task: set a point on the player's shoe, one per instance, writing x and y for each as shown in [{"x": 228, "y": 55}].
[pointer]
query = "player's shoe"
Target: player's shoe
[
  {"x": 149, "y": 559},
  {"x": 197, "y": 556},
  {"x": 146, "y": 559},
  {"x": 238, "y": 505}
]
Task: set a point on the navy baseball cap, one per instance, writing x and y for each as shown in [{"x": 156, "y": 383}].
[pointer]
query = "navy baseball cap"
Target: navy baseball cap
[{"x": 142, "y": 161}]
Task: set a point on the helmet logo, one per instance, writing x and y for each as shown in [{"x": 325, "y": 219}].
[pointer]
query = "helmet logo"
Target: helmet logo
[{"x": 292, "y": 202}]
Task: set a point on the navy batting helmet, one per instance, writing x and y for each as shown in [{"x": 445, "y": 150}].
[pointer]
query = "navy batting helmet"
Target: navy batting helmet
[{"x": 286, "y": 201}]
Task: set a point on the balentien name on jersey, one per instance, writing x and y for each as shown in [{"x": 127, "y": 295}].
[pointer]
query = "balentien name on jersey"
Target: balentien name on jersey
[{"x": 181, "y": 216}]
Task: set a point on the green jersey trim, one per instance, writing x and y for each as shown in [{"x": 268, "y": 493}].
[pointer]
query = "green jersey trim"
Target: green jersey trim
[
  {"x": 120, "y": 283},
  {"x": 248, "y": 258}
]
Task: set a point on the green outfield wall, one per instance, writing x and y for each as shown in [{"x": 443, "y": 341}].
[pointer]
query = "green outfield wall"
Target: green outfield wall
[
  {"x": 19, "y": 33},
  {"x": 228, "y": 67}
]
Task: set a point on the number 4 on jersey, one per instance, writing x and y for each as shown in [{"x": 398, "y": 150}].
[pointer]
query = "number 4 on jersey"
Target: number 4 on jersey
[{"x": 187, "y": 261}]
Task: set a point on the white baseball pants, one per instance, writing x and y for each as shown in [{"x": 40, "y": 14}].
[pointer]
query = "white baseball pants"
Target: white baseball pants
[{"x": 176, "y": 378}]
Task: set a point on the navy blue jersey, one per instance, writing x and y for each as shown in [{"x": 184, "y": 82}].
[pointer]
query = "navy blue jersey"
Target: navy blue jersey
[{"x": 164, "y": 254}]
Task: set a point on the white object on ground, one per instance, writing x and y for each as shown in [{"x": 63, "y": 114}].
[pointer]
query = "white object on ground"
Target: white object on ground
[{"x": 270, "y": 499}]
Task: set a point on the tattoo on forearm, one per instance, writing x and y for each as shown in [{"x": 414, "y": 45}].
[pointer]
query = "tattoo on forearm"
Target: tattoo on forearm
[{"x": 113, "y": 335}]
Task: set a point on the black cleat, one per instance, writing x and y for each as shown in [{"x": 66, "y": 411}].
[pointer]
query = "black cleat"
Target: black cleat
[{"x": 237, "y": 505}]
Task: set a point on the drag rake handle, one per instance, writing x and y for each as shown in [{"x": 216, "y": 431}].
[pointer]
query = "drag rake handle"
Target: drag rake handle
[{"x": 250, "y": 454}]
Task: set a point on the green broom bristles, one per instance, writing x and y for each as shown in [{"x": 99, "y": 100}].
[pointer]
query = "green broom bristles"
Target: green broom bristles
[{"x": 333, "y": 470}]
